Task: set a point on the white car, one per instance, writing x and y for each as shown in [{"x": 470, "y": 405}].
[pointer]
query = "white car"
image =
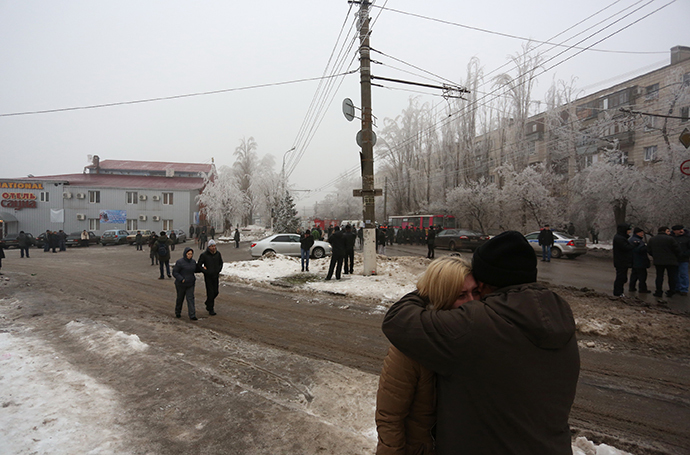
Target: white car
[
  {"x": 288, "y": 245},
  {"x": 563, "y": 245}
]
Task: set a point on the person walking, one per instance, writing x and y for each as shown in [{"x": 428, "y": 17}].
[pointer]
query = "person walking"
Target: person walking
[
  {"x": 46, "y": 241},
  {"x": 622, "y": 258},
  {"x": 152, "y": 248},
  {"x": 546, "y": 241},
  {"x": 211, "y": 264},
  {"x": 431, "y": 243},
  {"x": 162, "y": 249},
  {"x": 173, "y": 239},
  {"x": 380, "y": 241},
  {"x": 350, "y": 240},
  {"x": 506, "y": 366},
  {"x": 24, "y": 243},
  {"x": 202, "y": 240},
  {"x": 640, "y": 262},
  {"x": 306, "y": 241},
  {"x": 682, "y": 236},
  {"x": 213, "y": 232},
  {"x": 665, "y": 251},
  {"x": 191, "y": 231},
  {"x": 236, "y": 238},
  {"x": 184, "y": 270},
  {"x": 197, "y": 231},
  {"x": 139, "y": 241},
  {"x": 337, "y": 242}
]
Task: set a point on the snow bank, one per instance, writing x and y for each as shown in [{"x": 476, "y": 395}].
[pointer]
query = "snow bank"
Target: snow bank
[{"x": 104, "y": 340}]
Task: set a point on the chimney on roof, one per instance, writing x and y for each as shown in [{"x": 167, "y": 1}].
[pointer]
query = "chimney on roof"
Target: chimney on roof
[
  {"x": 679, "y": 54},
  {"x": 169, "y": 172}
]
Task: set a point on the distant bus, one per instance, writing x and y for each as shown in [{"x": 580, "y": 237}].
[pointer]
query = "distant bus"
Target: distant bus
[{"x": 422, "y": 221}]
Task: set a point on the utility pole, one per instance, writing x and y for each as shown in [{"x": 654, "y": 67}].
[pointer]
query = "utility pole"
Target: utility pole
[{"x": 367, "y": 144}]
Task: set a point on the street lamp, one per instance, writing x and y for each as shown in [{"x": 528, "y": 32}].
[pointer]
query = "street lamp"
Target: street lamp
[{"x": 282, "y": 172}]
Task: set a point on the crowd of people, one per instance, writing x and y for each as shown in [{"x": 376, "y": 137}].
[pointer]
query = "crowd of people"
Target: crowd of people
[{"x": 669, "y": 250}]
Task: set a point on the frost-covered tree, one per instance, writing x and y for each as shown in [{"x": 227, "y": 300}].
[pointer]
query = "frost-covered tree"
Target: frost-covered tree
[
  {"x": 245, "y": 166},
  {"x": 266, "y": 186},
  {"x": 475, "y": 202},
  {"x": 528, "y": 196},
  {"x": 222, "y": 201},
  {"x": 285, "y": 215}
]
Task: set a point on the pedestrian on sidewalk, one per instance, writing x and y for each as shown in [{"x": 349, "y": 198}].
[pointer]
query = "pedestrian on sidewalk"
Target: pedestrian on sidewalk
[
  {"x": 211, "y": 264},
  {"x": 665, "y": 251}
]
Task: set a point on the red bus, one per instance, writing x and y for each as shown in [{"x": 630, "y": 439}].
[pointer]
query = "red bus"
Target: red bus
[{"x": 422, "y": 221}]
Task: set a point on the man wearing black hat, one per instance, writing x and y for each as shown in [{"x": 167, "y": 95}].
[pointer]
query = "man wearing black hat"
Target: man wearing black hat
[
  {"x": 665, "y": 251},
  {"x": 507, "y": 366}
]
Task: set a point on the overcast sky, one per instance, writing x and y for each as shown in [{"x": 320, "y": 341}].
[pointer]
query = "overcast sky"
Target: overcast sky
[{"x": 67, "y": 54}]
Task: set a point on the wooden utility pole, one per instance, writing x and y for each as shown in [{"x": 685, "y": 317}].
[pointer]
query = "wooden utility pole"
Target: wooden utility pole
[{"x": 367, "y": 140}]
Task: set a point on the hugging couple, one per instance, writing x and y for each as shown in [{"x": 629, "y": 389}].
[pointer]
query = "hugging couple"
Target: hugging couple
[{"x": 484, "y": 359}]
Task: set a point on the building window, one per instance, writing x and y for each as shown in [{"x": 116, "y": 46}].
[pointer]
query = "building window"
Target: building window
[
  {"x": 94, "y": 224},
  {"x": 132, "y": 197},
  {"x": 686, "y": 79},
  {"x": 132, "y": 225},
  {"x": 650, "y": 153},
  {"x": 685, "y": 113},
  {"x": 167, "y": 198},
  {"x": 94, "y": 197},
  {"x": 45, "y": 196},
  {"x": 652, "y": 92},
  {"x": 649, "y": 123},
  {"x": 605, "y": 103},
  {"x": 591, "y": 159},
  {"x": 167, "y": 224}
]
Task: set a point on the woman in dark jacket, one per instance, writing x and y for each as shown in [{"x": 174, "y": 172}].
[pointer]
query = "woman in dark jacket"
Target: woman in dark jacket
[{"x": 183, "y": 271}]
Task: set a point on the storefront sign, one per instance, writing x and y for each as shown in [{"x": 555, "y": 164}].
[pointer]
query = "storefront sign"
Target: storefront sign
[
  {"x": 21, "y": 186},
  {"x": 18, "y": 201}
]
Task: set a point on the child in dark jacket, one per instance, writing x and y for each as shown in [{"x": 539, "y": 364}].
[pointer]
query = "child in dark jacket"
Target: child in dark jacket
[{"x": 183, "y": 271}]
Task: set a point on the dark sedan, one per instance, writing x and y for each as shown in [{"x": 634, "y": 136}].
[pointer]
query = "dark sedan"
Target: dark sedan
[
  {"x": 10, "y": 240},
  {"x": 460, "y": 239},
  {"x": 74, "y": 239}
]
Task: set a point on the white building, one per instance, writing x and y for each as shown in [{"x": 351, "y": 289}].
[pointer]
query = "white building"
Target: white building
[{"x": 111, "y": 194}]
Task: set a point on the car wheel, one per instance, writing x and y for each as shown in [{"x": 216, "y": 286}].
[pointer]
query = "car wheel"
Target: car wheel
[
  {"x": 318, "y": 253},
  {"x": 556, "y": 253},
  {"x": 451, "y": 246},
  {"x": 268, "y": 252}
]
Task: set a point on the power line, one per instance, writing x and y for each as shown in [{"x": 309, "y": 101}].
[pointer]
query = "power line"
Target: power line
[
  {"x": 508, "y": 35},
  {"x": 173, "y": 97}
]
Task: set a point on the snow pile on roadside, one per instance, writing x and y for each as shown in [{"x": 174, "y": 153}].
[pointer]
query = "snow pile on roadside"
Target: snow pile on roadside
[
  {"x": 396, "y": 276},
  {"x": 50, "y": 407},
  {"x": 104, "y": 340},
  {"x": 582, "y": 446}
]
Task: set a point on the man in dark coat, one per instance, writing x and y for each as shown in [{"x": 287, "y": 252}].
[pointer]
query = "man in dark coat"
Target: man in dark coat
[
  {"x": 665, "y": 251},
  {"x": 306, "y": 241},
  {"x": 431, "y": 243},
  {"x": 184, "y": 270},
  {"x": 139, "y": 241},
  {"x": 173, "y": 240},
  {"x": 682, "y": 236},
  {"x": 622, "y": 257},
  {"x": 2, "y": 256},
  {"x": 162, "y": 250},
  {"x": 337, "y": 242},
  {"x": 211, "y": 264},
  {"x": 640, "y": 262},
  {"x": 546, "y": 241},
  {"x": 62, "y": 240},
  {"x": 506, "y": 366},
  {"x": 212, "y": 232},
  {"x": 24, "y": 243},
  {"x": 236, "y": 238},
  {"x": 191, "y": 231},
  {"x": 350, "y": 239}
]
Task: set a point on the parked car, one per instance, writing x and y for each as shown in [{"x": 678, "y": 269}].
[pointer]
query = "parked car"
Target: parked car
[
  {"x": 74, "y": 239},
  {"x": 288, "y": 245},
  {"x": 181, "y": 236},
  {"x": 460, "y": 239},
  {"x": 563, "y": 244},
  {"x": 145, "y": 234},
  {"x": 114, "y": 237},
  {"x": 10, "y": 240}
]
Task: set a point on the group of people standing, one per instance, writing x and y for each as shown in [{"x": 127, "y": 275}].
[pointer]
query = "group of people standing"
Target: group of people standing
[{"x": 670, "y": 252}]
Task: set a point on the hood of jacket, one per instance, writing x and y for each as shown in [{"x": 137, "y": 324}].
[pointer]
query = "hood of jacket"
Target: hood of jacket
[
  {"x": 184, "y": 254},
  {"x": 540, "y": 314}
]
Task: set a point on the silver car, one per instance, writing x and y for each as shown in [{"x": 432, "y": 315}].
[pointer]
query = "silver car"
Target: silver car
[
  {"x": 563, "y": 244},
  {"x": 288, "y": 245}
]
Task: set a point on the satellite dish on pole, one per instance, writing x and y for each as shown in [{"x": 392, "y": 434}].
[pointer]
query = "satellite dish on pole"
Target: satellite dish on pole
[{"x": 348, "y": 109}]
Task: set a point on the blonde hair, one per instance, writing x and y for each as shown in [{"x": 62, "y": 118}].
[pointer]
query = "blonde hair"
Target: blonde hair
[{"x": 443, "y": 281}]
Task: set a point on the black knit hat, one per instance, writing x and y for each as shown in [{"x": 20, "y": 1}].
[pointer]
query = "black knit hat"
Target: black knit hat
[
  {"x": 677, "y": 227},
  {"x": 505, "y": 260}
]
